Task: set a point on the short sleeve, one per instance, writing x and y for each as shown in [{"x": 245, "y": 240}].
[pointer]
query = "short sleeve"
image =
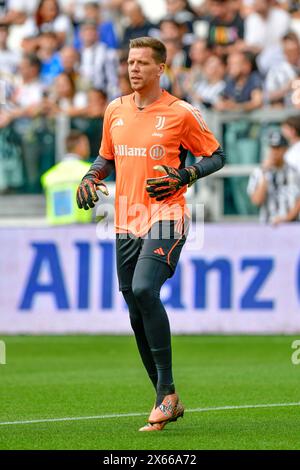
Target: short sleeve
[
  {"x": 196, "y": 137},
  {"x": 106, "y": 147}
]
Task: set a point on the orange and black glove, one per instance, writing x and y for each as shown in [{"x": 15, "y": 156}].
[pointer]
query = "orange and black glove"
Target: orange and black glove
[
  {"x": 87, "y": 196},
  {"x": 165, "y": 186}
]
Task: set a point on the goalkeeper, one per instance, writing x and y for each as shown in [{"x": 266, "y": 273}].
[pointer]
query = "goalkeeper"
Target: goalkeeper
[{"x": 146, "y": 137}]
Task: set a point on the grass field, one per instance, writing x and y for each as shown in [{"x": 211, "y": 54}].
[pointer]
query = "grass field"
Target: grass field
[{"x": 89, "y": 376}]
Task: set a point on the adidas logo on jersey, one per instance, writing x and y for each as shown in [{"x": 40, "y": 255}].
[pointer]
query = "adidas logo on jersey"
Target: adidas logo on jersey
[
  {"x": 124, "y": 150},
  {"x": 159, "y": 251},
  {"x": 118, "y": 123}
]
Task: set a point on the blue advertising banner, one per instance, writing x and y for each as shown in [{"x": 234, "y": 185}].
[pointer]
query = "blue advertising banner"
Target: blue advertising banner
[{"x": 237, "y": 278}]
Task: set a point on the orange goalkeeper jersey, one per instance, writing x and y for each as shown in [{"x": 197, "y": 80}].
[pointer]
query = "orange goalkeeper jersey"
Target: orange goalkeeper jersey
[{"x": 137, "y": 140}]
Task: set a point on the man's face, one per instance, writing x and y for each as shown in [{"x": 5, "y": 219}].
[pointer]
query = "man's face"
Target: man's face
[
  {"x": 235, "y": 65},
  {"x": 199, "y": 52},
  {"x": 291, "y": 51},
  {"x": 69, "y": 57},
  {"x": 89, "y": 35},
  {"x": 218, "y": 9},
  {"x": 27, "y": 70},
  {"x": 288, "y": 132},
  {"x": 143, "y": 71},
  {"x": 276, "y": 154},
  {"x": 261, "y": 6}
]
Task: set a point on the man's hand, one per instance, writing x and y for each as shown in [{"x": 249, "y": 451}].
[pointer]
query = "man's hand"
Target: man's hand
[
  {"x": 164, "y": 186},
  {"x": 278, "y": 220},
  {"x": 86, "y": 196}
]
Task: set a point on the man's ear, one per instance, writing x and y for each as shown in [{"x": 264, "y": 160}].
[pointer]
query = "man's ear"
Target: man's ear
[{"x": 161, "y": 69}]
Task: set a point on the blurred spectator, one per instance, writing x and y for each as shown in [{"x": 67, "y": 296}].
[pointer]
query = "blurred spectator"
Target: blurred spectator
[
  {"x": 65, "y": 96},
  {"x": 291, "y": 131},
  {"x": 178, "y": 59},
  {"x": 61, "y": 181},
  {"x": 243, "y": 90},
  {"x": 208, "y": 90},
  {"x": 13, "y": 11},
  {"x": 106, "y": 29},
  {"x": 182, "y": 12},
  {"x": 199, "y": 53},
  {"x": 280, "y": 78},
  {"x": 28, "y": 94},
  {"x": 138, "y": 25},
  {"x": 69, "y": 61},
  {"x": 275, "y": 186},
  {"x": 96, "y": 103},
  {"x": 30, "y": 106},
  {"x": 48, "y": 18},
  {"x": 264, "y": 29},
  {"x": 48, "y": 54},
  {"x": 226, "y": 27},
  {"x": 99, "y": 64},
  {"x": 170, "y": 29},
  {"x": 90, "y": 120},
  {"x": 9, "y": 59},
  {"x": 174, "y": 66},
  {"x": 125, "y": 87}
]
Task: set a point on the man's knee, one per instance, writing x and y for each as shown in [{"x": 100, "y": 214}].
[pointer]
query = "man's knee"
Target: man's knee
[{"x": 143, "y": 292}]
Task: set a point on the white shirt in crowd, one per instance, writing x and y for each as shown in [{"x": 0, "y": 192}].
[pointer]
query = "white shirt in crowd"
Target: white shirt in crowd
[
  {"x": 278, "y": 77},
  {"x": 267, "y": 34},
  {"x": 28, "y": 94},
  {"x": 61, "y": 24},
  {"x": 25, "y": 6},
  {"x": 292, "y": 156},
  {"x": 99, "y": 67},
  {"x": 282, "y": 194}
]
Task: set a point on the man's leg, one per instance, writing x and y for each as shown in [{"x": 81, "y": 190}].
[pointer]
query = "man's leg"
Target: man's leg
[
  {"x": 149, "y": 276},
  {"x": 136, "y": 321},
  {"x": 156, "y": 263},
  {"x": 127, "y": 251}
]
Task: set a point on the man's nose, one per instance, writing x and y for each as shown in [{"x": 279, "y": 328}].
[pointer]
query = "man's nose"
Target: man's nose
[{"x": 134, "y": 66}]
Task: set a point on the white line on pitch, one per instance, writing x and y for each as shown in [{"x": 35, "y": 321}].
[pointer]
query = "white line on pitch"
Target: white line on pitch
[{"x": 130, "y": 415}]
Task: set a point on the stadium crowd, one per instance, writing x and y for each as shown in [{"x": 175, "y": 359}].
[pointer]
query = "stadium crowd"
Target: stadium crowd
[{"x": 70, "y": 56}]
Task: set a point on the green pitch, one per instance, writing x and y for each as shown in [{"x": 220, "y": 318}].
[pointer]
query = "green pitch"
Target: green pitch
[{"x": 80, "y": 376}]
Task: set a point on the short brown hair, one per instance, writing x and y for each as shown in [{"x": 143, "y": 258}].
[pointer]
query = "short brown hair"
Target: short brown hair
[
  {"x": 294, "y": 123},
  {"x": 158, "y": 48}
]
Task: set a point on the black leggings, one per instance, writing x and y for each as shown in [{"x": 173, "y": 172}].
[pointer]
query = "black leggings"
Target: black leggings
[{"x": 150, "y": 322}]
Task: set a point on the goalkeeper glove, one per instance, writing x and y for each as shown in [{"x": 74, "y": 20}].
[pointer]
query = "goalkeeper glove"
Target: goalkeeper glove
[
  {"x": 87, "y": 196},
  {"x": 164, "y": 186}
]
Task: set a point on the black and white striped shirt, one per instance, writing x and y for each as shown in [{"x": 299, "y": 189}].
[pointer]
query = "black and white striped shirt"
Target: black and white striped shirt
[{"x": 282, "y": 194}]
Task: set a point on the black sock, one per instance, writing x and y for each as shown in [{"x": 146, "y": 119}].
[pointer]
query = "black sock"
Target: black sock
[
  {"x": 153, "y": 379},
  {"x": 162, "y": 391}
]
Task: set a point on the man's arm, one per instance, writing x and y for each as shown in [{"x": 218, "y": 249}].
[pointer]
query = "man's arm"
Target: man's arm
[
  {"x": 101, "y": 168},
  {"x": 255, "y": 102},
  {"x": 258, "y": 196},
  {"x": 164, "y": 186},
  {"x": 290, "y": 216},
  {"x": 87, "y": 190},
  {"x": 204, "y": 167}
]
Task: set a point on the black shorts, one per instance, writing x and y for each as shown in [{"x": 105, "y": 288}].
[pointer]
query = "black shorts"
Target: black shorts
[{"x": 163, "y": 243}]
